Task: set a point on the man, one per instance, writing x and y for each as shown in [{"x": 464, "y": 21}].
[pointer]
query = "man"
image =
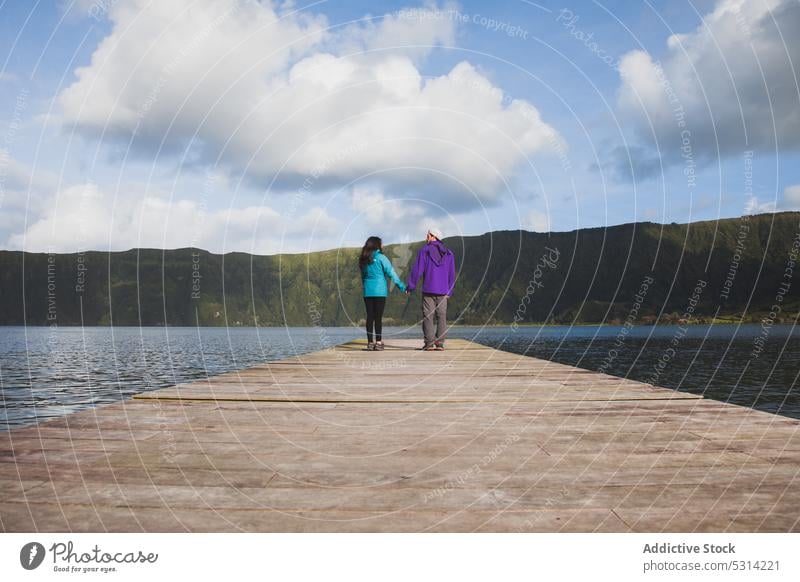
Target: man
[{"x": 437, "y": 265}]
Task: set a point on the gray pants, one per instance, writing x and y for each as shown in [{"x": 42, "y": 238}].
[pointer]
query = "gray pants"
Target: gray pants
[{"x": 434, "y": 306}]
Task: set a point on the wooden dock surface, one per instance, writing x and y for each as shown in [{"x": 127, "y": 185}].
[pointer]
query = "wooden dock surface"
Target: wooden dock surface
[{"x": 469, "y": 439}]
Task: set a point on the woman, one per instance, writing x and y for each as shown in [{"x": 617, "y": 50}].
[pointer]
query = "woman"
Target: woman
[{"x": 375, "y": 267}]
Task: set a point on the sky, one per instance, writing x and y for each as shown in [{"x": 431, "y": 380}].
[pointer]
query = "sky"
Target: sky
[{"x": 270, "y": 127}]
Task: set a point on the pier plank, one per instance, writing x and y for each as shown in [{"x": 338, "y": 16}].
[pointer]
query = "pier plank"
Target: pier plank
[{"x": 469, "y": 439}]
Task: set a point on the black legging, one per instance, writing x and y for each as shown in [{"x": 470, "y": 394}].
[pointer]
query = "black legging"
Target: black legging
[{"x": 375, "y": 306}]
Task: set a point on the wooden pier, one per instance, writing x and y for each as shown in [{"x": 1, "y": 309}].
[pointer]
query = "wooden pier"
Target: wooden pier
[{"x": 469, "y": 439}]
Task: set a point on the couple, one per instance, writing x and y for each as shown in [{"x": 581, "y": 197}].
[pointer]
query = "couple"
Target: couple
[{"x": 434, "y": 263}]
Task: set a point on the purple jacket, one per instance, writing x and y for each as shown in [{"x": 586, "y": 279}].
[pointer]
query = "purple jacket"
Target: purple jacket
[{"x": 436, "y": 263}]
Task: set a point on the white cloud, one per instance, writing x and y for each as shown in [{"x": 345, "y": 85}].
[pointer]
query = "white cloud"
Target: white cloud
[
  {"x": 17, "y": 176},
  {"x": 730, "y": 85},
  {"x": 791, "y": 198},
  {"x": 374, "y": 210},
  {"x": 276, "y": 95},
  {"x": 537, "y": 221},
  {"x": 755, "y": 206},
  {"x": 85, "y": 217},
  {"x": 396, "y": 219},
  {"x": 23, "y": 192},
  {"x": 409, "y": 32}
]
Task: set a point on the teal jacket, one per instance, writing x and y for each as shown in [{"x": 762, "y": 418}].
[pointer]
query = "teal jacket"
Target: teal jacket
[{"x": 373, "y": 276}]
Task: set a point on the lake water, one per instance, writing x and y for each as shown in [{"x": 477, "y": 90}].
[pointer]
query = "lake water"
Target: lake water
[{"x": 48, "y": 372}]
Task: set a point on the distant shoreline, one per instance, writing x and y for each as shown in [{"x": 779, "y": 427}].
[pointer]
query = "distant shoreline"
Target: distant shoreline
[{"x": 499, "y": 282}]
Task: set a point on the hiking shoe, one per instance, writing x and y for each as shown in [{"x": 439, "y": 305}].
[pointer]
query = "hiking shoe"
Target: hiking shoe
[
  {"x": 379, "y": 346},
  {"x": 370, "y": 347}
]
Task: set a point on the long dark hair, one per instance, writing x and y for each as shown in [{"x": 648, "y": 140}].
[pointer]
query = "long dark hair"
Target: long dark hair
[{"x": 373, "y": 244}]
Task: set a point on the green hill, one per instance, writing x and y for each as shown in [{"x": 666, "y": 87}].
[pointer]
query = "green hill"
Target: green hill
[{"x": 740, "y": 267}]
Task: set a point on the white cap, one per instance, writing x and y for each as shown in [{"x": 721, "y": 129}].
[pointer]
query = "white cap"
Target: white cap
[{"x": 435, "y": 232}]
